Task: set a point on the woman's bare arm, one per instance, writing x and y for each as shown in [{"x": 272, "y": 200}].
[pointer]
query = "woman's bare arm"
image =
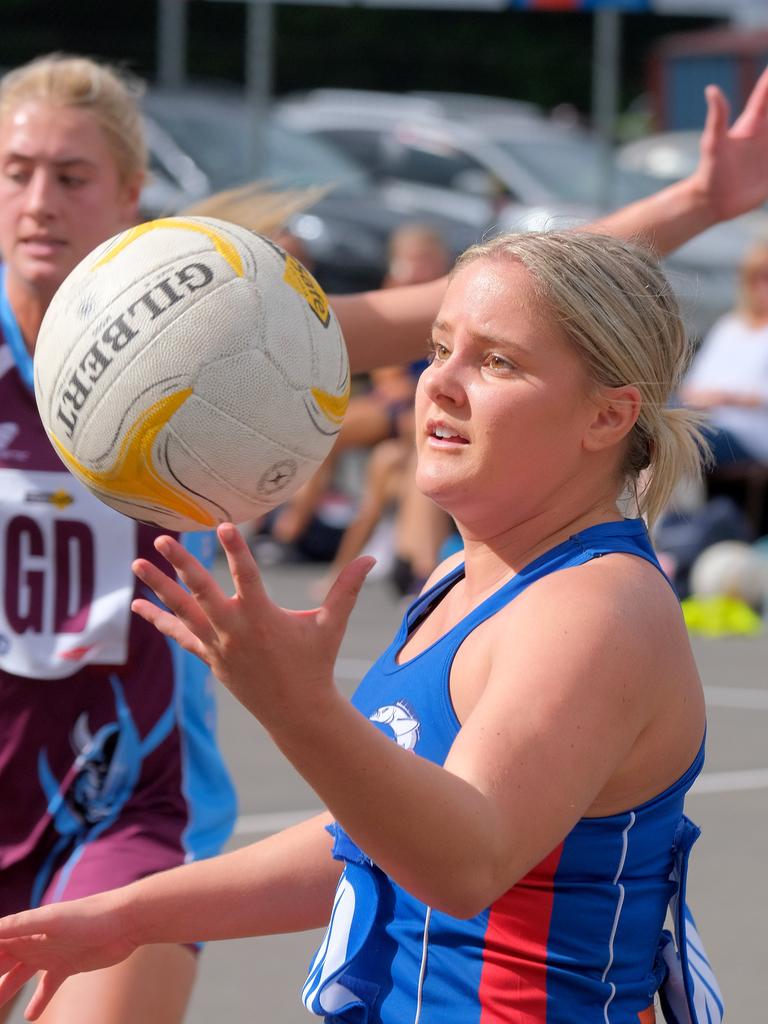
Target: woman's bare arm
[
  {"x": 284, "y": 883},
  {"x": 542, "y": 743},
  {"x": 391, "y": 326}
]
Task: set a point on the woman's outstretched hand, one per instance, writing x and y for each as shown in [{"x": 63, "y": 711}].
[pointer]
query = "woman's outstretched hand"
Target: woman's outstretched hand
[
  {"x": 58, "y": 941},
  {"x": 732, "y": 168},
  {"x": 274, "y": 661}
]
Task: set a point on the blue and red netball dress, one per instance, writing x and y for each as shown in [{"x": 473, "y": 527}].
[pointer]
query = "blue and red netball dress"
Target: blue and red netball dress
[
  {"x": 579, "y": 940},
  {"x": 108, "y": 765}
]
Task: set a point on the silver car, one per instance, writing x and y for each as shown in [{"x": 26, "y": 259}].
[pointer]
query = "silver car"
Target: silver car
[{"x": 517, "y": 171}]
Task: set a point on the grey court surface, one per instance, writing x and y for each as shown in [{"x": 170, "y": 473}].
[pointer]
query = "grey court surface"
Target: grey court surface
[{"x": 257, "y": 980}]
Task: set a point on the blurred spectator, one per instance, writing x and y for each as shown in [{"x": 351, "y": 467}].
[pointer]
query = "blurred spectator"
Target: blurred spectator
[
  {"x": 378, "y": 418},
  {"x": 728, "y": 381},
  {"x": 729, "y": 376}
]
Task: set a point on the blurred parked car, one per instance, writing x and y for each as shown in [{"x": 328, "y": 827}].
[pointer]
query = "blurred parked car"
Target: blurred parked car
[
  {"x": 424, "y": 102},
  {"x": 461, "y": 152},
  {"x": 516, "y": 172},
  {"x": 174, "y": 179},
  {"x": 345, "y": 232},
  {"x": 668, "y": 156}
]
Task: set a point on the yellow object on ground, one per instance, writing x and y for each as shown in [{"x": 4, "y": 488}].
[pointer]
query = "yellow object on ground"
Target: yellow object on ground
[{"x": 720, "y": 615}]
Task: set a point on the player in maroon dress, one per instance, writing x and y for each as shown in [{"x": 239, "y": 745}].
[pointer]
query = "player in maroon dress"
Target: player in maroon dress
[{"x": 108, "y": 766}]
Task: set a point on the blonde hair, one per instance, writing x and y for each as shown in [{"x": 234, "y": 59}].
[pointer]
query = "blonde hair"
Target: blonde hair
[
  {"x": 71, "y": 81},
  {"x": 618, "y": 310},
  {"x": 256, "y": 205},
  {"x": 756, "y": 258}
]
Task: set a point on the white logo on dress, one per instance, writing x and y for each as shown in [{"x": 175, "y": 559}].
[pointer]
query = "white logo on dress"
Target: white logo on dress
[
  {"x": 8, "y": 434},
  {"x": 402, "y": 721}
]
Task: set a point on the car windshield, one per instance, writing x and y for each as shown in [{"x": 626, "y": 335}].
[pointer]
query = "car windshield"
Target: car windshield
[
  {"x": 572, "y": 170},
  {"x": 220, "y": 146}
]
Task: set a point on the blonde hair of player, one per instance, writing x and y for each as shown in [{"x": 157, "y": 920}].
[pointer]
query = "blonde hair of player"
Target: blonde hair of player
[
  {"x": 620, "y": 314},
  {"x": 71, "y": 81},
  {"x": 113, "y": 96}
]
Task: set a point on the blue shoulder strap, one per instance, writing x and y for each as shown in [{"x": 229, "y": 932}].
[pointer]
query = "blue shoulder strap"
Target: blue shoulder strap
[{"x": 625, "y": 536}]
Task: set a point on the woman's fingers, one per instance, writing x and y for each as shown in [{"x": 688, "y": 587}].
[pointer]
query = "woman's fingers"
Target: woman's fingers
[
  {"x": 47, "y": 988},
  {"x": 170, "y": 625},
  {"x": 756, "y": 108},
  {"x": 6, "y": 962},
  {"x": 716, "y": 122},
  {"x": 175, "y": 598},
  {"x": 242, "y": 565},
  {"x": 343, "y": 594},
  {"x": 195, "y": 577},
  {"x": 14, "y": 980}
]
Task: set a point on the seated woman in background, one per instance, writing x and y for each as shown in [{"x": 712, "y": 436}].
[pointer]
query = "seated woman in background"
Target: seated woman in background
[{"x": 729, "y": 376}]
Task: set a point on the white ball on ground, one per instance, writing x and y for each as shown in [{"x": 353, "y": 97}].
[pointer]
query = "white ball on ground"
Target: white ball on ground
[{"x": 731, "y": 568}]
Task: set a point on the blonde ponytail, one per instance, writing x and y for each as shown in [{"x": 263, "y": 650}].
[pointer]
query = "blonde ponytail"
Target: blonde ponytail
[{"x": 678, "y": 451}]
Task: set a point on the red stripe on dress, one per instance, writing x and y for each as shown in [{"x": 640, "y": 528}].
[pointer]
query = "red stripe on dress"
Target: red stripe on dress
[
  {"x": 513, "y": 981},
  {"x": 555, "y": 5}
]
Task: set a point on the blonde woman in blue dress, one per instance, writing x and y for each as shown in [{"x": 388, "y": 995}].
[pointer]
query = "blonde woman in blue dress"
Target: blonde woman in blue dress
[{"x": 567, "y": 712}]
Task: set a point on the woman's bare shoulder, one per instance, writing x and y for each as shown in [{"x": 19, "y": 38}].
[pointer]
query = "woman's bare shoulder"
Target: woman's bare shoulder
[{"x": 619, "y": 608}]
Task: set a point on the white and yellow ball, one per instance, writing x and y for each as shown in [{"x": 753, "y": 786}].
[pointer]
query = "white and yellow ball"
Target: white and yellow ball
[{"x": 190, "y": 372}]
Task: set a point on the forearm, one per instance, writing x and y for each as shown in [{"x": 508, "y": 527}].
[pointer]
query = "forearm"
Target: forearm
[
  {"x": 390, "y": 326},
  {"x": 429, "y": 829},
  {"x": 284, "y": 883},
  {"x": 662, "y": 222}
]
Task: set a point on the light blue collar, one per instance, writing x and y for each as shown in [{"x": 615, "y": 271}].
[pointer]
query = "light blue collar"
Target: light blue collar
[{"x": 14, "y": 338}]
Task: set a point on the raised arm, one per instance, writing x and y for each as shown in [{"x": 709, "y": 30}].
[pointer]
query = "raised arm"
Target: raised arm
[
  {"x": 391, "y": 326},
  {"x": 730, "y": 179}
]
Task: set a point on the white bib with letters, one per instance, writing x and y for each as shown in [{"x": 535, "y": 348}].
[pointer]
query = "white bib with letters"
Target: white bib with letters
[{"x": 65, "y": 576}]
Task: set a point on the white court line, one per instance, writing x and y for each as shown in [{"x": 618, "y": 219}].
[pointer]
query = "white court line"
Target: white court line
[
  {"x": 731, "y": 782},
  {"x": 709, "y": 782},
  {"x": 274, "y": 821},
  {"x": 736, "y": 697}
]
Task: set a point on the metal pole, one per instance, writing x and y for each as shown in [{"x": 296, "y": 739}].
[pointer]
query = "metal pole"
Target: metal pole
[
  {"x": 171, "y": 43},
  {"x": 258, "y": 78},
  {"x": 606, "y": 48}
]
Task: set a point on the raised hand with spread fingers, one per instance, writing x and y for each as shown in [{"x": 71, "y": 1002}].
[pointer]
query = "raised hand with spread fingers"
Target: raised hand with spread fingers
[{"x": 274, "y": 661}]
